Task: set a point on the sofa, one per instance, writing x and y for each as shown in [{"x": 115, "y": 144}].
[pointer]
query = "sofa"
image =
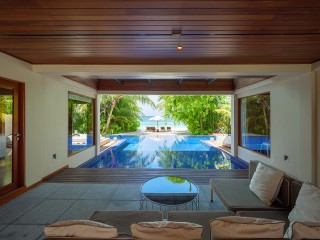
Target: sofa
[
  {"x": 235, "y": 194},
  {"x": 237, "y": 197}
]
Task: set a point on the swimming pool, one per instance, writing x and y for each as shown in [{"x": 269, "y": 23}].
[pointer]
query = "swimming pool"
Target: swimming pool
[{"x": 164, "y": 151}]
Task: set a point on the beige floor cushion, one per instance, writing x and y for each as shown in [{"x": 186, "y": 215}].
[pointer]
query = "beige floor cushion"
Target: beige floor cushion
[
  {"x": 166, "y": 230},
  {"x": 245, "y": 227},
  {"x": 80, "y": 228}
]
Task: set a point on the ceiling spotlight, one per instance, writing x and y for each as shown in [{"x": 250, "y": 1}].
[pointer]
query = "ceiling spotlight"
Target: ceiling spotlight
[{"x": 179, "y": 47}]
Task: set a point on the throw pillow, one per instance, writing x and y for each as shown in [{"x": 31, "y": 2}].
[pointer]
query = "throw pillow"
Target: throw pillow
[
  {"x": 307, "y": 207},
  {"x": 80, "y": 228},
  {"x": 266, "y": 183},
  {"x": 166, "y": 230},
  {"x": 245, "y": 227}
]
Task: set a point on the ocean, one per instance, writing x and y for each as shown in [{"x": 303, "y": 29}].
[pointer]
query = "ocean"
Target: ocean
[{"x": 145, "y": 122}]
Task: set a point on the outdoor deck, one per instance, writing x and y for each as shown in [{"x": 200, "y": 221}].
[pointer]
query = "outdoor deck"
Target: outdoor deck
[{"x": 120, "y": 175}]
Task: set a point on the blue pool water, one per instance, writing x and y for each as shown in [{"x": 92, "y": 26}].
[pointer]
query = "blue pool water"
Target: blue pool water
[{"x": 170, "y": 151}]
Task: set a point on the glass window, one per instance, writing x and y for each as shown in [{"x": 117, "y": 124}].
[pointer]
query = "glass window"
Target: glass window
[
  {"x": 81, "y": 118},
  {"x": 255, "y": 123}
]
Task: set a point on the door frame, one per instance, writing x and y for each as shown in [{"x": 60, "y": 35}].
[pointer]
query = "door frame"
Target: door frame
[{"x": 18, "y": 150}]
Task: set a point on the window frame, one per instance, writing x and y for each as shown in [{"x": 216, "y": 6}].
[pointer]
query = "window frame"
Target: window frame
[
  {"x": 94, "y": 127},
  {"x": 240, "y": 129}
]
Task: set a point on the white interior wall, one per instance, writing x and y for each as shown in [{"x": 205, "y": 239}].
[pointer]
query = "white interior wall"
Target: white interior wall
[
  {"x": 291, "y": 125},
  {"x": 46, "y": 118}
]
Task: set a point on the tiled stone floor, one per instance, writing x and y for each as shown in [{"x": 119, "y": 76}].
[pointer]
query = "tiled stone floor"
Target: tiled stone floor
[{"x": 25, "y": 217}]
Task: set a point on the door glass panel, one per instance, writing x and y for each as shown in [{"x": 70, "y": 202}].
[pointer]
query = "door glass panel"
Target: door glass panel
[{"x": 6, "y": 160}]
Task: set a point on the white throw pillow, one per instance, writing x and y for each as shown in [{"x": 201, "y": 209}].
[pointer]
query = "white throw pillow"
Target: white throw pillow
[
  {"x": 80, "y": 228},
  {"x": 307, "y": 207},
  {"x": 166, "y": 230},
  {"x": 266, "y": 183},
  {"x": 245, "y": 227},
  {"x": 303, "y": 230}
]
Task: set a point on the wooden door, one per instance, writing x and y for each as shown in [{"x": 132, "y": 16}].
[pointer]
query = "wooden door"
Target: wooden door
[{"x": 11, "y": 135}]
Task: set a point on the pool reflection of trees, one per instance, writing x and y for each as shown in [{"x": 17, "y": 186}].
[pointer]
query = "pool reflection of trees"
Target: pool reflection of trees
[
  {"x": 165, "y": 157},
  {"x": 194, "y": 160}
]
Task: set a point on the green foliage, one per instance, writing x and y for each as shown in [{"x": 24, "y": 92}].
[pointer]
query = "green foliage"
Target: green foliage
[
  {"x": 80, "y": 116},
  {"x": 120, "y": 113},
  {"x": 201, "y": 114},
  {"x": 175, "y": 179},
  {"x": 255, "y": 114},
  {"x": 6, "y": 104}
]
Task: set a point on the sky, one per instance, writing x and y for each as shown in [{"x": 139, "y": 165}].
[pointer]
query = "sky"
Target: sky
[{"x": 147, "y": 110}]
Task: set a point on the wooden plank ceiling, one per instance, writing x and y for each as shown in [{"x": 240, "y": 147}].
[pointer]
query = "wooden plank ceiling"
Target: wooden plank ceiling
[{"x": 143, "y": 32}]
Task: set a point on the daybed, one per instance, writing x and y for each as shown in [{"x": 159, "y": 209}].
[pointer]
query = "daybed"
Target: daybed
[{"x": 237, "y": 197}]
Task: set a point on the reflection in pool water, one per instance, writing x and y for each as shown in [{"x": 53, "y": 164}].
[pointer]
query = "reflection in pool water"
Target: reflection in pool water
[{"x": 170, "y": 151}]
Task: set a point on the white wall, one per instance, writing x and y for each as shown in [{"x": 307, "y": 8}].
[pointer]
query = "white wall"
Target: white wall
[
  {"x": 291, "y": 125},
  {"x": 46, "y": 118}
]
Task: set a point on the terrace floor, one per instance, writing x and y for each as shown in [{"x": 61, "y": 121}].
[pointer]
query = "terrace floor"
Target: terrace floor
[
  {"x": 75, "y": 193},
  {"x": 25, "y": 217}
]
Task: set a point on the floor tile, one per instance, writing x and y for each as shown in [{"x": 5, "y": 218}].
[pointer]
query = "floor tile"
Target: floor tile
[
  {"x": 42, "y": 237},
  {"x": 46, "y": 212},
  {"x": 16, "y": 208},
  {"x": 44, "y": 190},
  {"x": 127, "y": 192},
  {"x": 123, "y": 205},
  {"x": 2, "y": 226},
  {"x": 205, "y": 190},
  {"x": 83, "y": 209},
  {"x": 217, "y": 205},
  {"x": 205, "y": 205},
  {"x": 70, "y": 191},
  {"x": 100, "y": 191},
  {"x": 23, "y": 232}
]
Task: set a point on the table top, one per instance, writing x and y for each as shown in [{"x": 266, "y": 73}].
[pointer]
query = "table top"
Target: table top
[{"x": 170, "y": 190}]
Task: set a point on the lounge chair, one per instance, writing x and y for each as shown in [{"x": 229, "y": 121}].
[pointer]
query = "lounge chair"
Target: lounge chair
[
  {"x": 169, "y": 129},
  {"x": 162, "y": 129}
]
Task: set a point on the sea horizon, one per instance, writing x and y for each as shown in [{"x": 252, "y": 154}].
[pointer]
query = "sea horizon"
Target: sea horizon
[{"x": 169, "y": 122}]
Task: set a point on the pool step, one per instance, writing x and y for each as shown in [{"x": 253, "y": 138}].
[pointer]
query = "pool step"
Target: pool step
[{"x": 123, "y": 175}]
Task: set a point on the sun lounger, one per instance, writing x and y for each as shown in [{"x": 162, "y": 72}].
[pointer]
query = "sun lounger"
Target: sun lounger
[
  {"x": 104, "y": 141},
  {"x": 169, "y": 129},
  {"x": 162, "y": 129}
]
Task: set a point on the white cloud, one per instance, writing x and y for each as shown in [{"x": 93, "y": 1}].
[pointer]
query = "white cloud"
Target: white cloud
[{"x": 147, "y": 110}]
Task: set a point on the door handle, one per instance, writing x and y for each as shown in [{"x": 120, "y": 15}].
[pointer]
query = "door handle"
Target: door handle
[{"x": 17, "y": 135}]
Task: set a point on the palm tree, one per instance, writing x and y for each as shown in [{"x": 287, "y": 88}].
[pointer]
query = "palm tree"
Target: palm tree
[{"x": 110, "y": 102}]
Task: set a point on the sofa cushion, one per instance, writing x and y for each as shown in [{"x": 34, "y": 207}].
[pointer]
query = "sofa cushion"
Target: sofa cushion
[
  {"x": 80, "y": 228},
  {"x": 307, "y": 207},
  {"x": 166, "y": 230},
  {"x": 237, "y": 196},
  {"x": 303, "y": 230},
  {"x": 199, "y": 217},
  {"x": 245, "y": 227},
  {"x": 275, "y": 215},
  {"x": 123, "y": 219},
  {"x": 266, "y": 183}
]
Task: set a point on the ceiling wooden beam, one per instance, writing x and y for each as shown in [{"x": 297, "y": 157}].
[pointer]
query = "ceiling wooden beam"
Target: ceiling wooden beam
[
  {"x": 137, "y": 86},
  {"x": 119, "y": 81},
  {"x": 211, "y": 80}
]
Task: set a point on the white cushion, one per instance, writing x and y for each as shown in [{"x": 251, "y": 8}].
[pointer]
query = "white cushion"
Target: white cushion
[
  {"x": 166, "y": 230},
  {"x": 245, "y": 227},
  {"x": 303, "y": 230},
  {"x": 266, "y": 183},
  {"x": 80, "y": 228},
  {"x": 307, "y": 207}
]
